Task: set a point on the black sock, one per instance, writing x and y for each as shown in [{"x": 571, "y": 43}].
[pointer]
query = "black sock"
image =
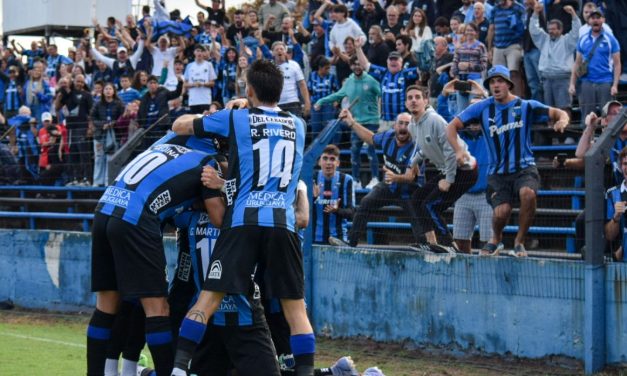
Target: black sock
[
  {"x": 98, "y": 335},
  {"x": 159, "y": 340},
  {"x": 323, "y": 372},
  {"x": 119, "y": 331},
  {"x": 136, "y": 338},
  {"x": 190, "y": 335}
]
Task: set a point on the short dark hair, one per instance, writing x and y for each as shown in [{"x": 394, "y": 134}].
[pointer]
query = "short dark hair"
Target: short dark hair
[
  {"x": 341, "y": 8},
  {"x": 125, "y": 75},
  {"x": 266, "y": 79},
  {"x": 152, "y": 78},
  {"x": 239, "y": 11},
  {"x": 441, "y": 21},
  {"x": 353, "y": 59},
  {"x": 622, "y": 154},
  {"x": 423, "y": 89},
  {"x": 331, "y": 149},
  {"x": 406, "y": 39}
]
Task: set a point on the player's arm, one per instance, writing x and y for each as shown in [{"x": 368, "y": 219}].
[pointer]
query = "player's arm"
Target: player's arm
[
  {"x": 362, "y": 132},
  {"x": 184, "y": 125},
  {"x": 301, "y": 209},
  {"x": 215, "y": 208},
  {"x": 452, "y": 136}
]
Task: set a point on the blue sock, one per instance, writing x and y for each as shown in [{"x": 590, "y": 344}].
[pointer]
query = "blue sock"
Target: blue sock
[
  {"x": 159, "y": 340},
  {"x": 303, "y": 348}
]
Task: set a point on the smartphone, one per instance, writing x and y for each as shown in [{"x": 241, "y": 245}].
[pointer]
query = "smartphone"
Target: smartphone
[{"x": 463, "y": 86}]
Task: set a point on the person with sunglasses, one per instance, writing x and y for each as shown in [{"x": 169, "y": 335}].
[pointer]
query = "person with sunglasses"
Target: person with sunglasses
[{"x": 334, "y": 199}]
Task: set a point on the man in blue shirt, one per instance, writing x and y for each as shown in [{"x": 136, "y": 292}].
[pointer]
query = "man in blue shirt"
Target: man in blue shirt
[
  {"x": 600, "y": 82},
  {"x": 266, "y": 153},
  {"x": 616, "y": 199},
  {"x": 506, "y": 121}
]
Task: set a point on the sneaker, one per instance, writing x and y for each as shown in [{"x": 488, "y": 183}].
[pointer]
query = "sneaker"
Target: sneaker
[
  {"x": 85, "y": 183},
  {"x": 518, "y": 251},
  {"x": 338, "y": 242},
  {"x": 374, "y": 181},
  {"x": 373, "y": 371},
  {"x": 490, "y": 249},
  {"x": 286, "y": 362},
  {"x": 73, "y": 183},
  {"x": 143, "y": 371},
  {"x": 344, "y": 367},
  {"x": 357, "y": 185}
]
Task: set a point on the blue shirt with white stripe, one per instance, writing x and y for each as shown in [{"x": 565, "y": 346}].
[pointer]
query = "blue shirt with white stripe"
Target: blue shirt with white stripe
[
  {"x": 128, "y": 95},
  {"x": 336, "y": 190},
  {"x": 393, "y": 89},
  {"x": 321, "y": 86},
  {"x": 396, "y": 159},
  {"x": 601, "y": 65},
  {"x": 507, "y": 130},
  {"x": 235, "y": 310},
  {"x": 265, "y": 158},
  {"x": 509, "y": 25}
]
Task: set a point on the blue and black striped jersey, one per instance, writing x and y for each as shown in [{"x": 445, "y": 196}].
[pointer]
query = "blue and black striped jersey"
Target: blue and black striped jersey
[
  {"x": 393, "y": 89},
  {"x": 320, "y": 87},
  {"x": 157, "y": 184},
  {"x": 396, "y": 159},
  {"x": 265, "y": 157},
  {"x": 507, "y": 130},
  {"x": 235, "y": 310},
  {"x": 337, "y": 190}
]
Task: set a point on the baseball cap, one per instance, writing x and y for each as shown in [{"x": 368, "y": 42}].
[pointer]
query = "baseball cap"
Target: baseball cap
[
  {"x": 607, "y": 106},
  {"x": 46, "y": 116},
  {"x": 395, "y": 55},
  {"x": 122, "y": 49},
  {"x": 597, "y": 12},
  {"x": 498, "y": 71}
]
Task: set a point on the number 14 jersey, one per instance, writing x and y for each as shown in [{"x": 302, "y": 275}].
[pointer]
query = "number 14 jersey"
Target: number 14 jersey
[{"x": 265, "y": 157}]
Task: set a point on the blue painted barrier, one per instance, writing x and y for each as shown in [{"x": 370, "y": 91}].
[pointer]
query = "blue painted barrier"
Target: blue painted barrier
[{"x": 524, "y": 307}]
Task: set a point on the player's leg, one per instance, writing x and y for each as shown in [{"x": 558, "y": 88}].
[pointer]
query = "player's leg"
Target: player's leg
[
  {"x": 376, "y": 198},
  {"x": 463, "y": 222},
  {"x": 159, "y": 333},
  {"x": 103, "y": 282},
  {"x": 251, "y": 350},
  {"x": 500, "y": 195},
  {"x": 302, "y": 339},
  {"x": 419, "y": 199},
  {"x": 118, "y": 337},
  {"x": 135, "y": 341}
]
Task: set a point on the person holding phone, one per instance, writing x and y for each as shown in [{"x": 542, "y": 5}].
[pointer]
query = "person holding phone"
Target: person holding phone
[{"x": 470, "y": 61}]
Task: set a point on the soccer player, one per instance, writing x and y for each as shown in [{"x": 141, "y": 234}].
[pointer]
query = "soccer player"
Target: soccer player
[
  {"x": 334, "y": 198},
  {"x": 128, "y": 260},
  {"x": 506, "y": 122},
  {"x": 266, "y": 152},
  {"x": 400, "y": 179}
]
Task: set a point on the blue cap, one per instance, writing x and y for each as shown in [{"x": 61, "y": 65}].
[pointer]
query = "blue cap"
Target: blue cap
[{"x": 498, "y": 71}]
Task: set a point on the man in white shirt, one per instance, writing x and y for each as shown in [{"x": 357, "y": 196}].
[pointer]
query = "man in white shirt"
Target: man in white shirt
[
  {"x": 162, "y": 53},
  {"x": 293, "y": 82},
  {"x": 199, "y": 79}
]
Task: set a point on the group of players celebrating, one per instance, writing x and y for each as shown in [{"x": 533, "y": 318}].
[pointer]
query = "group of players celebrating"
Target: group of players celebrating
[{"x": 238, "y": 247}]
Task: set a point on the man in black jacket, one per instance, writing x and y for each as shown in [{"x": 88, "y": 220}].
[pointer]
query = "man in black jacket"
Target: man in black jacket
[
  {"x": 75, "y": 103},
  {"x": 153, "y": 105}
]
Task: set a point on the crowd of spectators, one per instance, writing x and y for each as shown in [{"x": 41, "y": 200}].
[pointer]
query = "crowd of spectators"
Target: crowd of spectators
[{"x": 70, "y": 111}]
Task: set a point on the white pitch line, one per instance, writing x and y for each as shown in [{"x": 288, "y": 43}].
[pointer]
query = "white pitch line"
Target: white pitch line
[{"x": 43, "y": 340}]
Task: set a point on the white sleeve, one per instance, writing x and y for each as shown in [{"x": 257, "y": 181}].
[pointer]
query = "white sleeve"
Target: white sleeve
[
  {"x": 100, "y": 57},
  {"x": 137, "y": 54}
]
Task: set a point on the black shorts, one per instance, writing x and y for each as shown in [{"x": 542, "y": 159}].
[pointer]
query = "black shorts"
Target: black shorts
[
  {"x": 504, "y": 188},
  {"x": 248, "y": 349},
  {"x": 127, "y": 258},
  {"x": 238, "y": 250}
]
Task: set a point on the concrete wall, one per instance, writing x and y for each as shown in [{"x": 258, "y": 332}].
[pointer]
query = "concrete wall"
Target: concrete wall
[{"x": 530, "y": 308}]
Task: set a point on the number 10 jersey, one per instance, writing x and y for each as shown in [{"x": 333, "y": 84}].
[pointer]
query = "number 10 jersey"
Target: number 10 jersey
[{"x": 265, "y": 157}]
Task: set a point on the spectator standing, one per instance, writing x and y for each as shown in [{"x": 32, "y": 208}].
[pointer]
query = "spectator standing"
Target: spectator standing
[
  {"x": 597, "y": 65},
  {"x": 428, "y": 7},
  {"x": 392, "y": 24},
  {"x": 24, "y": 145},
  {"x": 54, "y": 60},
  {"x": 334, "y": 198},
  {"x": 227, "y": 74},
  {"x": 199, "y": 79},
  {"x": 470, "y": 62},
  {"x": 215, "y": 12},
  {"x": 37, "y": 92},
  {"x": 104, "y": 114},
  {"x": 404, "y": 47},
  {"x": 321, "y": 83},
  {"x": 616, "y": 203},
  {"x": 481, "y": 21},
  {"x": 293, "y": 83},
  {"x": 443, "y": 60},
  {"x": 368, "y": 14},
  {"x": 127, "y": 94},
  {"x": 400, "y": 179},
  {"x": 531, "y": 52},
  {"x": 506, "y": 121},
  {"x": 163, "y": 56},
  {"x": 344, "y": 27},
  {"x": 13, "y": 94},
  {"x": 32, "y": 54},
  {"x": 238, "y": 30},
  {"x": 441, "y": 190},
  {"x": 364, "y": 87},
  {"x": 418, "y": 30},
  {"x": 472, "y": 208},
  {"x": 505, "y": 37},
  {"x": 271, "y": 15},
  {"x": 52, "y": 146},
  {"x": 341, "y": 60},
  {"x": 377, "y": 49},
  {"x": 122, "y": 64},
  {"x": 556, "y": 56},
  {"x": 75, "y": 103},
  {"x": 153, "y": 105},
  {"x": 393, "y": 79}
]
